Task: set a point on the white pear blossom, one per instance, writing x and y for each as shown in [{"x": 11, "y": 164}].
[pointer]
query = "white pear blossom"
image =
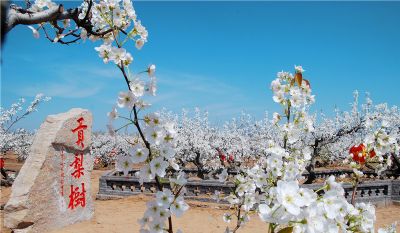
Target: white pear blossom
[
  {"x": 154, "y": 135},
  {"x": 179, "y": 206},
  {"x": 124, "y": 164},
  {"x": 41, "y": 4},
  {"x": 113, "y": 114},
  {"x": 158, "y": 166},
  {"x": 145, "y": 174},
  {"x": 153, "y": 119},
  {"x": 137, "y": 87},
  {"x": 157, "y": 226},
  {"x": 152, "y": 86},
  {"x": 120, "y": 55},
  {"x": 167, "y": 152},
  {"x": 126, "y": 100},
  {"x": 165, "y": 198},
  {"x": 139, "y": 153},
  {"x": 180, "y": 179},
  {"x": 299, "y": 69},
  {"x": 288, "y": 196},
  {"x": 104, "y": 52}
]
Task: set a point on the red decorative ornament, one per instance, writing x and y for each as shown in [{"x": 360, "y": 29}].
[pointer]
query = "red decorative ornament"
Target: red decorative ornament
[
  {"x": 231, "y": 159},
  {"x": 221, "y": 155},
  {"x": 97, "y": 161},
  {"x": 360, "y": 153}
]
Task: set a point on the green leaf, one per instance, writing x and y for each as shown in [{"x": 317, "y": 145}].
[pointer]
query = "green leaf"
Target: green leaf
[{"x": 286, "y": 230}]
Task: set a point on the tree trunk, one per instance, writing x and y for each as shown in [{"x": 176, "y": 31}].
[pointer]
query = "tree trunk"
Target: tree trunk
[
  {"x": 4, "y": 173},
  {"x": 4, "y": 12},
  {"x": 311, "y": 167},
  {"x": 396, "y": 161},
  {"x": 200, "y": 170},
  {"x": 311, "y": 172}
]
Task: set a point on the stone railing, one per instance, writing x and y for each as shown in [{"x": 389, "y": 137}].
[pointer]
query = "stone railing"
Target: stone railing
[
  {"x": 322, "y": 174},
  {"x": 114, "y": 185}
]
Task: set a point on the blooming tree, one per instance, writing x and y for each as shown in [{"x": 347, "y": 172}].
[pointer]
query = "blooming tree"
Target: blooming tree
[
  {"x": 333, "y": 137},
  {"x": 18, "y": 140},
  {"x": 272, "y": 185},
  {"x": 210, "y": 148},
  {"x": 243, "y": 140},
  {"x": 114, "y": 23},
  {"x": 194, "y": 142},
  {"x": 105, "y": 147}
]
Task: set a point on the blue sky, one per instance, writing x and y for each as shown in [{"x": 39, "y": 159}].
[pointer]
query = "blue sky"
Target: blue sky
[{"x": 219, "y": 56}]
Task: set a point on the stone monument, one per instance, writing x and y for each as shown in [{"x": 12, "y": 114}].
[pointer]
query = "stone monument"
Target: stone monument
[{"x": 53, "y": 187}]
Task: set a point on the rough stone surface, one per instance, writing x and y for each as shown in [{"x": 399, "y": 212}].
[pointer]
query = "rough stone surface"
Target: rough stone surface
[{"x": 40, "y": 198}]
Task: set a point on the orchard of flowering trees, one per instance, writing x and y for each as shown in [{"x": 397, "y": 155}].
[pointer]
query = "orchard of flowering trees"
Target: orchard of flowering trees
[
  {"x": 241, "y": 141},
  {"x": 18, "y": 140},
  {"x": 270, "y": 155}
]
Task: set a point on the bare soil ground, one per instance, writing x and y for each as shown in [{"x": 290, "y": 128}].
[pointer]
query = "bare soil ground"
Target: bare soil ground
[{"x": 121, "y": 215}]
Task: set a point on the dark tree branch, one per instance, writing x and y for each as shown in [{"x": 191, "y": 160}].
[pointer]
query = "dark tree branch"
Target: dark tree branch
[
  {"x": 320, "y": 142},
  {"x": 88, "y": 11},
  {"x": 15, "y": 17}
]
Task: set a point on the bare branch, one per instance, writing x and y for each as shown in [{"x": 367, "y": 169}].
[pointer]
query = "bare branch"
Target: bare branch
[{"x": 15, "y": 17}]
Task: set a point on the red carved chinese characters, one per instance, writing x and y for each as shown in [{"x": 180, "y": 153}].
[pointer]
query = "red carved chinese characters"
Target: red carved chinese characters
[
  {"x": 80, "y": 129},
  {"x": 77, "y": 197},
  {"x": 77, "y": 164},
  {"x": 62, "y": 172}
]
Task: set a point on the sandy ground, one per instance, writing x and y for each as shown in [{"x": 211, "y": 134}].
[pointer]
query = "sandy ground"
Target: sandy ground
[{"x": 121, "y": 215}]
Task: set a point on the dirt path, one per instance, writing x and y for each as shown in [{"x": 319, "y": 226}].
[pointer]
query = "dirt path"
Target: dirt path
[{"x": 121, "y": 216}]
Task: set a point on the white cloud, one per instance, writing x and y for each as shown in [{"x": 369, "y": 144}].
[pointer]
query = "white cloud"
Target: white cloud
[
  {"x": 91, "y": 71},
  {"x": 185, "y": 91},
  {"x": 197, "y": 83},
  {"x": 64, "y": 90},
  {"x": 71, "y": 81}
]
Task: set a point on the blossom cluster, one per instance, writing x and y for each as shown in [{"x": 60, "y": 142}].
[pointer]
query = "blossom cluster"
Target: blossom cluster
[
  {"x": 379, "y": 142},
  {"x": 167, "y": 203},
  {"x": 108, "y": 15},
  {"x": 272, "y": 186},
  {"x": 294, "y": 94},
  {"x": 287, "y": 92},
  {"x": 153, "y": 141}
]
